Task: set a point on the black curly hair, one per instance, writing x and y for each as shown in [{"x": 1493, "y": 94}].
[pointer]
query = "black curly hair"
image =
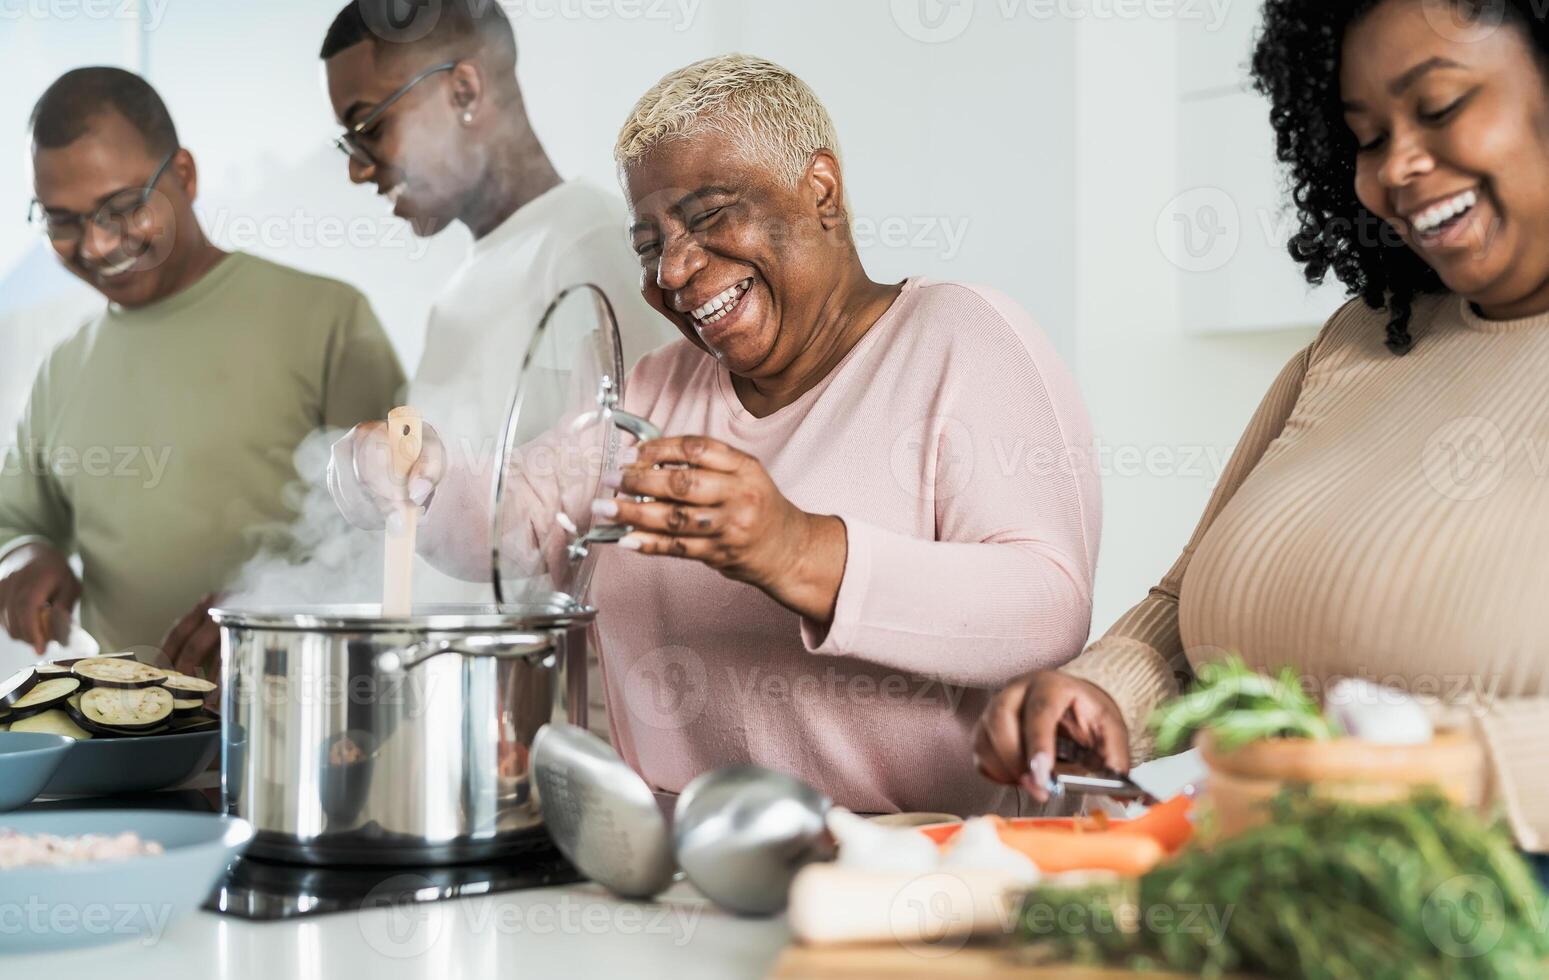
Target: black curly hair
[{"x": 1296, "y": 65}]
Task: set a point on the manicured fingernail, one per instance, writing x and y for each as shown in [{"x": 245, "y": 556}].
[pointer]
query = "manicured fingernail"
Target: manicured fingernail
[
  {"x": 605, "y": 509},
  {"x": 630, "y": 542},
  {"x": 419, "y": 490},
  {"x": 629, "y": 455},
  {"x": 1041, "y": 767},
  {"x": 613, "y": 479},
  {"x": 395, "y": 522}
]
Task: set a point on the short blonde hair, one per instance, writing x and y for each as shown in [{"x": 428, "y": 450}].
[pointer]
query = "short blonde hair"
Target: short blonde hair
[{"x": 769, "y": 114}]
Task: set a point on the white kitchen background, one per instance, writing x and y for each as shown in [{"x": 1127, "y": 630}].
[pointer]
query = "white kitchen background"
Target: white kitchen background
[{"x": 1102, "y": 161}]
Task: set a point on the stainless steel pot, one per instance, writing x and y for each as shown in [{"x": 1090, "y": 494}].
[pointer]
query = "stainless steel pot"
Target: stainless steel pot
[{"x": 350, "y": 738}]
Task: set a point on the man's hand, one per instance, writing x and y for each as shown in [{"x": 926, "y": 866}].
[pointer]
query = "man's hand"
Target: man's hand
[
  {"x": 194, "y": 642},
  {"x": 38, "y": 592}
]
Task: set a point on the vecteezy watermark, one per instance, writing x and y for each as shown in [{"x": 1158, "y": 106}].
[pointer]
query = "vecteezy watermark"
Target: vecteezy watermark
[
  {"x": 934, "y": 458},
  {"x": 34, "y": 916},
  {"x": 1199, "y": 230},
  {"x": 407, "y": 21},
  {"x": 397, "y": 926},
  {"x": 940, "y": 21},
  {"x": 1202, "y": 229},
  {"x": 1465, "y": 916},
  {"x": 1095, "y": 914},
  {"x": 148, "y": 12},
  {"x": 147, "y": 464},
  {"x": 302, "y": 230},
  {"x": 680, "y": 14},
  {"x": 940, "y": 235},
  {"x": 1465, "y": 459},
  {"x": 1468, "y": 23},
  {"x": 669, "y": 688}
]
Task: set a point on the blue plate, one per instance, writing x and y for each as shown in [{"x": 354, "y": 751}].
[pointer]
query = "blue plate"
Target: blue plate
[
  {"x": 134, "y": 900},
  {"x": 27, "y": 760},
  {"x": 106, "y": 766}
]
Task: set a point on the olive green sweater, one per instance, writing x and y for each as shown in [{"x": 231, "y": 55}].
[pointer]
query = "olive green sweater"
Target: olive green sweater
[{"x": 157, "y": 441}]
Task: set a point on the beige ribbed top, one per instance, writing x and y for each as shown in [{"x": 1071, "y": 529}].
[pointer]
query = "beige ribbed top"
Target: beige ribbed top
[{"x": 1384, "y": 517}]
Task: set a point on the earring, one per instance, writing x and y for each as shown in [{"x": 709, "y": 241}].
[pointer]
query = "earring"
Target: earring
[{"x": 467, "y": 117}]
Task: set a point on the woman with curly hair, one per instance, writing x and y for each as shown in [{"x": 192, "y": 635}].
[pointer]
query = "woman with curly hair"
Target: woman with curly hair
[{"x": 1386, "y": 514}]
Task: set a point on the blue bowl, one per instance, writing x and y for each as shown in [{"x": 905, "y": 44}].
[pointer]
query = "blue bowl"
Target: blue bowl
[
  {"x": 72, "y": 907},
  {"x": 144, "y": 764},
  {"x": 27, "y": 763}
]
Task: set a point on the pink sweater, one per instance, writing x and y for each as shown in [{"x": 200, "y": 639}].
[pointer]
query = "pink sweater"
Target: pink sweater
[{"x": 954, "y": 445}]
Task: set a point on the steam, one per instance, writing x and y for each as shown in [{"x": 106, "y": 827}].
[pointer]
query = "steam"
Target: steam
[{"x": 318, "y": 560}]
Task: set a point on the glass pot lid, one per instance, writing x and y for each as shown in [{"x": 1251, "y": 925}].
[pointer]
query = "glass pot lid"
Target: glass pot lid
[{"x": 562, "y": 433}]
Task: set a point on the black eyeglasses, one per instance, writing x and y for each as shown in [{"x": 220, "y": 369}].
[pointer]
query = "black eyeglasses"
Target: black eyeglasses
[
  {"x": 348, "y": 142},
  {"x": 120, "y": 214}
]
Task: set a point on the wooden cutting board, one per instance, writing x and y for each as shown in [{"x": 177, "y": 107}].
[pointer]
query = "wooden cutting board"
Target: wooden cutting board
[{"x": 897, "y": 963}]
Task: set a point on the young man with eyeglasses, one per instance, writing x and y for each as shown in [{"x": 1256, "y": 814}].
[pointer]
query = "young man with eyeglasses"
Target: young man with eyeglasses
[
  {"x": 435, "y": 118},
  {"x": 159, "y": 439}
]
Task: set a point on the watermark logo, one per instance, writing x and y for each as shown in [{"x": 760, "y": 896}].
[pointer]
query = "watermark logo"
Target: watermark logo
[
  {"x": 933, "y": 21},
  {"x": 1199, "y": 230},
  {"x": 394, "y": 925},
  {"x": 1465, "y": 916},
  {"x": 401, "y": 21},
  {"x": 1465, "y": 459},
  {"x": 933, "y": 459},
  {"x": 932, "y": 915},
  {"x": 1465, "y": 23},
  {"x": 666, "y": 689}
]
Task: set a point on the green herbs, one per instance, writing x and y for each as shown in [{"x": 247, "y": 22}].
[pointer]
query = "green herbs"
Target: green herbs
[
  {"x": 1239, "y": 706},
  {"x": 1329, "y": 890}
]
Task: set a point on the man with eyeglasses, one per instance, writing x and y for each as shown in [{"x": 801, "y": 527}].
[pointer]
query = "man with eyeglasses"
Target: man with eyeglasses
[
  {"x": 435, "y": 119},
  {"x": 159, "y": 439}
]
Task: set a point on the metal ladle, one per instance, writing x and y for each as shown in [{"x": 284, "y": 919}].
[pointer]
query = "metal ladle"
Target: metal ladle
[
  {"x": 741, "y": 833},
  {"x": 602, "y": 816}
]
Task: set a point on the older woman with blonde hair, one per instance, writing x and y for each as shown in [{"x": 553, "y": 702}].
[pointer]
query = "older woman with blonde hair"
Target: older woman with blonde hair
[{"x": 875, "y": 503}]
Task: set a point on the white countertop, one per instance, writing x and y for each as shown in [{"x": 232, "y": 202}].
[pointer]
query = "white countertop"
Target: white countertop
[{"x": 571, "y": 931}]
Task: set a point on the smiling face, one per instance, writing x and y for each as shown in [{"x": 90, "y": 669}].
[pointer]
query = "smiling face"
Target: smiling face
[
  {"x": 1454, "y": 149},
  {"x": 737, "y": 258},
  {"x": 425, "y": 164},
  {"x": 134, "y": 262}
]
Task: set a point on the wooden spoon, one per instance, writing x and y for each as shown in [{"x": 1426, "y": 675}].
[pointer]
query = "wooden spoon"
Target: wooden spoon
[{"x": 404, "y": 427}]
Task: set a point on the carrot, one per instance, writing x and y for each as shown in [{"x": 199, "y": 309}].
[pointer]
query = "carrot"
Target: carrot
[
  {"x": 1167, "y": 822},
  {"x": 1060, "y": 850}
]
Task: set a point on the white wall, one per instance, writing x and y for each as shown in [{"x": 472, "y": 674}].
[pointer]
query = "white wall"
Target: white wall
[
  {"x": 992, "y": 142},
  {"x": 1168, "y": 403}
]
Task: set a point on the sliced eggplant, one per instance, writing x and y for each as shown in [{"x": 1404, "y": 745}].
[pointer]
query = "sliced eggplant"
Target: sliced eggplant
[
  {"x": 54, "y": 722},
  {"x": 104, "y": 731},
  {"x": 51, "y": 670},
  {"x": 120, "y": 710},
  {"x": 18, "y": 684},
  {"x": 182, "y": 684},
  {"x": 187, "y": 709},
  {"x": 44, "y": 695},
  {"x": 115, "y": 672}
]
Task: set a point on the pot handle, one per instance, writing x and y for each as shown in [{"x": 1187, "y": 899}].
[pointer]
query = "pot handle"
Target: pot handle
[{"x": 500, "y": 646}]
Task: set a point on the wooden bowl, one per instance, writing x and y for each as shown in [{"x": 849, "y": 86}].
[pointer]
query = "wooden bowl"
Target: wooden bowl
[{"x": 1243, "y": 780}]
